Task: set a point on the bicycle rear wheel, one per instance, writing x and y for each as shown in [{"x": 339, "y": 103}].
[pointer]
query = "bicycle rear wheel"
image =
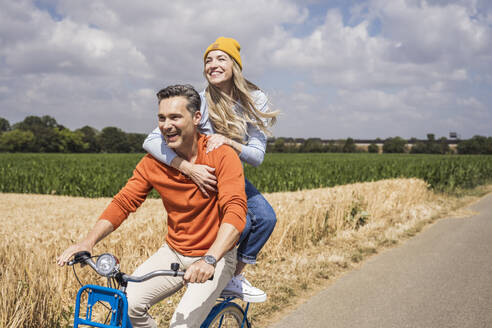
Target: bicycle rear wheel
[{"x": 231, "y": 316}]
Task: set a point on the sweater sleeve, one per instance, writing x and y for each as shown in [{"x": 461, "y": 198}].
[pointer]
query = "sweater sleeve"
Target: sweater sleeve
[
  {"x": 130, "y": 197},
  {"x": 253, "y": 152},
  {"x": 230, "y": 186}
]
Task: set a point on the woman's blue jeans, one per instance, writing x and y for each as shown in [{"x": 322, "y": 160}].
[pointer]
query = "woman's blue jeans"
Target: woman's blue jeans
[{"x": 260, "y": 221}]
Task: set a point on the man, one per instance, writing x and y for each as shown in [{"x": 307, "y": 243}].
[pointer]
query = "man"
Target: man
[{"x": 202, "y": 232}]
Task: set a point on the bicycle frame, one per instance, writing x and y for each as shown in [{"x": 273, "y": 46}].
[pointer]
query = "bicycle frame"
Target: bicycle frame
[
  {"x": 119, "y": 308},
  {"x": 115, "y": 298}
]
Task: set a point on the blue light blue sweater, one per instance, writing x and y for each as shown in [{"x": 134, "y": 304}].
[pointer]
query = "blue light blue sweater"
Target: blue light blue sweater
[{"x": 252, "y": 152}]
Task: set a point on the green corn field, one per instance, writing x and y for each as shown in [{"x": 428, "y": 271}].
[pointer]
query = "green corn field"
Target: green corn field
[
  {"x": 102, "y": 175},
  {"x": 289, "y": 172}
]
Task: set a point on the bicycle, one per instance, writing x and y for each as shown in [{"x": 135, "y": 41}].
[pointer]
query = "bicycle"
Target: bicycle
[{"x": 226, "y": 313}]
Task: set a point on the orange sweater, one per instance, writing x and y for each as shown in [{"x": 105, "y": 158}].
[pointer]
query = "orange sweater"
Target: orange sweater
[{"x": 193, "y": 220}]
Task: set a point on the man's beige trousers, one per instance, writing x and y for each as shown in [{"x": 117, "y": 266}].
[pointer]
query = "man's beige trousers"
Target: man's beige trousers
[{"x": 196, "y": 302}]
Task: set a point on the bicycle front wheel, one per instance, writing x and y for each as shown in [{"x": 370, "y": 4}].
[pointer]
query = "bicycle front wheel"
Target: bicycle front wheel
[{"x": 231, "y": 316}]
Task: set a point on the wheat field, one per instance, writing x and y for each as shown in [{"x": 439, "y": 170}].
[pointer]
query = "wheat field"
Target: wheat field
[{"x": 319, "y": 234}]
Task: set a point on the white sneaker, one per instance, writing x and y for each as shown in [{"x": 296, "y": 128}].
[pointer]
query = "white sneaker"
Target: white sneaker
[{"x": 240, "y": 287}]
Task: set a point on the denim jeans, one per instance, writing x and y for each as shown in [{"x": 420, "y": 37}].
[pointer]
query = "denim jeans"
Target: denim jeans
[{"x": 260, "y": 221}]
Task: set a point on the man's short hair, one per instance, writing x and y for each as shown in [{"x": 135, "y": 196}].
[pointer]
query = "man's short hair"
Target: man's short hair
[{"x": 180, "y": 90}]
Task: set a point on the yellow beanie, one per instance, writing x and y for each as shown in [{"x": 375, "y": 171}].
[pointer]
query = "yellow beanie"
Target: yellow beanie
[{"x": 227, "y": 45}]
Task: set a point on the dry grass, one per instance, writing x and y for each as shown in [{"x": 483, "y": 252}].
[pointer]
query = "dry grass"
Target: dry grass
[{"x": 320, "y": 234}]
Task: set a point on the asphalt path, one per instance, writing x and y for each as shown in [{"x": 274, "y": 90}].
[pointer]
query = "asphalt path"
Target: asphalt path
[{"x": 440, "y": 278}]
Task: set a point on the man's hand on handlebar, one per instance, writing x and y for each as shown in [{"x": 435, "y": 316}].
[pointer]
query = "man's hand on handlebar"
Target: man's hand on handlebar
[
  {"x": 199, "y": 272},
  {"x": 101, "y": 229},
  {"x": 70, "y": 251}
]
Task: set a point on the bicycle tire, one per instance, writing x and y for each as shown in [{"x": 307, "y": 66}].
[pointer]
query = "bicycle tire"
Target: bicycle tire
[{"x": 231, "y": 316}]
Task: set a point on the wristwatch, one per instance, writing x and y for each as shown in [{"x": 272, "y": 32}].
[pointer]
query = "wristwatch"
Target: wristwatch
[{"x": 210, "y": 259}]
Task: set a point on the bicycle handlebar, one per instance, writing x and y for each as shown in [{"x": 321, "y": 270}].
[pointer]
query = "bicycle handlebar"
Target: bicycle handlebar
[
  {"x": 153, "y": 274},
  {"x": 86, "y": 258}
]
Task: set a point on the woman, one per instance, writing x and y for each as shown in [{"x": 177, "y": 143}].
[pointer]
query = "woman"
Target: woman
[{"x": 235, "y": 113}]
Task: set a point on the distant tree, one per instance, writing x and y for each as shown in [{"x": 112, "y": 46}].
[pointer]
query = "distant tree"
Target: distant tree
[
  {"x": 418, "y": 147},
  {"x": 443, "y": 145},
  {"x": 50, "y": 122},
  {"x": 312, "y": 145},
  {"x": 488, "y": 146},
  {"x": 32, "y": 123},
  {"x": 394, "y": 145},
  {"x": 46, "y": 133},
  {"x": 282, "y": 145},
  {"x": 4, "y": 125},
  {"x": 349, "y": 146},
  {"x": 430, "y": 146},
  {"x": 90, "y": 137},
  {"x": 333, "y": 147},
  {"x": 113, "y": 140},
  {"x": 16, "y": 141},
  {"x": 279, "y": 145},
  {"x": 135, "y": 140},
  {"x": 71, "y": 142},
  {"x": 476, "y": 145},
  {"x": 373, "y": 148},
  {"x": 47, "y": 140},
  {"x": 269, "y": 145}
]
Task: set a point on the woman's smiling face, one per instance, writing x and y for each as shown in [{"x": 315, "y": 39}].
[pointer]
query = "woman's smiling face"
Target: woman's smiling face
[{"x": 218, "y": 68}]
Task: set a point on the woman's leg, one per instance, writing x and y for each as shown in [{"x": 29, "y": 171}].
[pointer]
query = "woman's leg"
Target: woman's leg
[{"x": 263, "y": 220}]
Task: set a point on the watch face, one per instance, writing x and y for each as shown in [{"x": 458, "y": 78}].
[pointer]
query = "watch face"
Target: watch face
[{"x": 209, "y": 259}]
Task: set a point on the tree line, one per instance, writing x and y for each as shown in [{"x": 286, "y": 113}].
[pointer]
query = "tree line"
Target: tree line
[
  {"x": 45, "y": 135},
  {"x": 476, "y": 145}
]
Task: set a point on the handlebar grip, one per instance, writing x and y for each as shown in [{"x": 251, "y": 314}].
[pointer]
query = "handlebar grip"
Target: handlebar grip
[
  {"x": 175, "y": 267},
  {"x": 80, "y": 257}
]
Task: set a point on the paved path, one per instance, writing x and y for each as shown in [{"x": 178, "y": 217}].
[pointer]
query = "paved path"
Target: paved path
[{"x": 440, "y": 278}]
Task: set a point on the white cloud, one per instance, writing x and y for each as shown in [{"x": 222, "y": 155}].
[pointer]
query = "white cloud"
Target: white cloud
[
  {"x": 418, "y": 44},
  {"x": 101, "y": 53},
  {"x": 441, "y": 35},
  {"x": 425, "y": 68},
  {"x": 93, "y": 43},
  {"x": 417, "y": 67},
  {"x": 175, "y": 34}
]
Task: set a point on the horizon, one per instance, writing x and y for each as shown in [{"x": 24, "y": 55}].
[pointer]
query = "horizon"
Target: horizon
[{"x": 448, "y": 137}]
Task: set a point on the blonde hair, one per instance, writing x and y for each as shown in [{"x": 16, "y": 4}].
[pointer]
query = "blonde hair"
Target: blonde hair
[{"x": 224, "y": 118}]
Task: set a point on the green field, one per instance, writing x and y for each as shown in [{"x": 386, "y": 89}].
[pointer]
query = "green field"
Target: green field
[
  {"x": 288, "y": 172},
  {"x": 102, "y": 175}
]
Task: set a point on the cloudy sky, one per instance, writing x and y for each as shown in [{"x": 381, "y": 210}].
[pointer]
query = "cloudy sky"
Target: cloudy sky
[{"x": 334, "y": 68}]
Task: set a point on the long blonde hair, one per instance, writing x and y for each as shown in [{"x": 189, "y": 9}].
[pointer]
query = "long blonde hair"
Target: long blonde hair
[{"x": 224, "y": 118}]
